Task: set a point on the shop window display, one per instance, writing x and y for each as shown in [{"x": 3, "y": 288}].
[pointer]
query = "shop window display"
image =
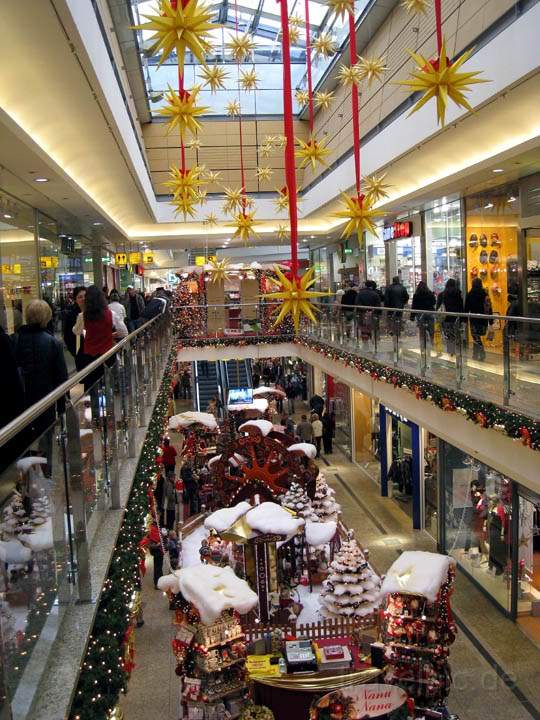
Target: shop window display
[
  {"x": 444, "y": 246},
  {"x": 533, "y": 273},
  {"x": 408, "y": 260},
  {"x": 431, "y": 484},
  {"x": 478, "y": 521},
  {"x": 528, "y": 601},
  {"x": 375, "y": 259}
]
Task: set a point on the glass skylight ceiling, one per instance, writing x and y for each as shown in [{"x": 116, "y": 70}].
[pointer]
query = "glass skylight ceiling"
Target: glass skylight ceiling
[{"x": 261, "y": 18}]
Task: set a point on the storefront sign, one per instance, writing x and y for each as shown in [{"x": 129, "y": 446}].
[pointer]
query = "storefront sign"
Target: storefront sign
[
  {"x": 398, "y": 230},
  {"x": 148, "y": 258},
  {"x": 348, "y": 251},
  {"x": 121, "y": 260},
  {"x": 373, "y": 700},
  {"x": 134, "y": 258},
  {"x": 48, "y": 261}
]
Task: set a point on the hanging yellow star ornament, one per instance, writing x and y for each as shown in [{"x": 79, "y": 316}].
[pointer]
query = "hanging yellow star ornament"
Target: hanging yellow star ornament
[
  {"x": 212, "y": 176},
  {"x": 323, "y": 100},
  {"x": 349, "y": 75},
  {"x": 360, "y": 215},
  {"x": 185, "y": 188},
  {"x": 195, "y": 144},
  {"x": 233, "y": 200},
  {"x": 182, "y": 110},
  {"x": 219, "y": 270},
  {"x": 324, "y": 45},
  {"x": 295, "y": 21},
  {"x": 294, "y": 35},
  {"x": 214, "y": 76},
  {"x": 241, "y": 46},
  {"x": 249, "y": 79},
  {"x": 415, "y": 6},
  {"x": 243, "y": 224},
  {"x": 185, "y": 28},
  {"x": 296, "y": 297},
  {"x": 312, "y": 152},
  {"x": 302, "y": 97},
  {"x": 439, "y": 78},
  {"x": 282, "y": 200},
  {"x": 282, "y": 232},
  {"x": 210, "y": 220},
  {"x": 341, "y": 7},
  {"x": 371, "y": 69},
  {"x": 264, "y": 173},
  {"x": 266, "y": 149},
  {"x": 232, "y": 108},
  {"x": 375, "y": 188}
]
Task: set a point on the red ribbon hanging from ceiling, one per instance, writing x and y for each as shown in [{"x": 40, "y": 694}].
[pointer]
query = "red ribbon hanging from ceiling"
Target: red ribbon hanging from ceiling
[
  {"x": 355, "y": 104},
  {"x": 288, "y": 127},
  {"x": 438, "y": 26},
  {"x": 174, "y": 6},
  {"x": 308, "y": 63},
  {"x": 241, "y": 138}
]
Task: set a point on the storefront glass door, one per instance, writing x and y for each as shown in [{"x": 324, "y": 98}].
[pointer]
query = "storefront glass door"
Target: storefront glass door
[{"x": 408, "y": 261}]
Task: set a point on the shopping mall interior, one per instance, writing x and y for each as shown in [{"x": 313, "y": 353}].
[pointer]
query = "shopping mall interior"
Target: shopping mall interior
[{"x": 270, "y": 326}]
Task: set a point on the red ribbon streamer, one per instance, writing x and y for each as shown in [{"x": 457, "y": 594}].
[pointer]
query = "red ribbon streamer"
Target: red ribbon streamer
[
  {"x": 174, "y": 5},
  {"x": 308, "y": 63},
  {"x": 242, "y": 172},
  {"x": 355, "y": 104},
  {"x": 438, "y": 26},
  {"x": 290, "y": 168}
]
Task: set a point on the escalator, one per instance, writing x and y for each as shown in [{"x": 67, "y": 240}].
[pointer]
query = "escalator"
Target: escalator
[
  {"x": 206, "y": 383},
  {"x": 238, "y": 373}
]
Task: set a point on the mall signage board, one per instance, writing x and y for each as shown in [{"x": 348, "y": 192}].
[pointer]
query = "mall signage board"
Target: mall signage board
[{"x": 398, "y": 230}]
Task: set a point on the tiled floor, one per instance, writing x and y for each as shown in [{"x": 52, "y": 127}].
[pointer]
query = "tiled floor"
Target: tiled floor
[{"x": 488, "y": 649}]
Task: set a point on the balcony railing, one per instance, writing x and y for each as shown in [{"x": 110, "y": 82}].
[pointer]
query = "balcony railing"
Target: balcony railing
[
  {"x": 494, "y": 358},
  {"x": 55, "y": 490}
]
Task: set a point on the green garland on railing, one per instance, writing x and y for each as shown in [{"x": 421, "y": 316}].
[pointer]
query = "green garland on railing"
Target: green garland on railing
[{"x": 103, "y": 675}]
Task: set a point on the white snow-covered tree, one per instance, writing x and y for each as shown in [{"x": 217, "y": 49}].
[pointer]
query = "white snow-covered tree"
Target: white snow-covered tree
[
  {"x": 324, "y": 502},
  {"x": 351, "y": 588},
  {"x": 297, "y": 499}
]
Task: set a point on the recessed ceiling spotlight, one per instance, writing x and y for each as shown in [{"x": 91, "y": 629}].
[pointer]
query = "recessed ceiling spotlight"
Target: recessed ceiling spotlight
[
  {"x": 8, "y": 216},
  {"x": 41, "y": 179},
  {"x": 97, "y": 223},
  {"x": 498, "y": 170},
  {"x": 312, "y": 237}
]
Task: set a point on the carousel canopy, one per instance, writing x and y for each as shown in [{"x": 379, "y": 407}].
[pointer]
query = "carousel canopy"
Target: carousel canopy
[
  {"x": 192, "y": 417},
  {"x": 265, "y": 426},
  {"x": 416, "y": 572},
  {"x": 258, "y": 405},
  {"x": 307, "y": 448}
]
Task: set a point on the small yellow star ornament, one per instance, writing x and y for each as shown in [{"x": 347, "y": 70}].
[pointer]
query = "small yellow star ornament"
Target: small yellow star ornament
[
  {"x": 232, "y": 108},
  {"x": 324, "y": 45},
  {"x": 371, "y": 69},
  {"x": 249, "y": 79},
  {"x": 441, "y": 79},
  {"x": 182, "y": 110},
  {"x": 244, "y": 223},
  {"x": 282, "y": 232},
  {"x": 210, "y": 220},
  {"x": 264, "y": 173},
  {"x": 296, "y": 297},
  {"x": 214, "y": 76},
  {"x": 323, "y": 100},
  {"x": 312, "y": 152},
  {"x": 219, "y": 270},
  {"x": 349, "y": 75},
  {"x": 241, "y": 46},
  {"x": 282, "y": 200},
  {"x": 185, "y": 186},
  {"x": 360, "y": 215},
  {"x": 415, "y": 6},
  {"x": 302, "y": 97},
  {"x": 375, "y": 188},
  {"x": 233, "y": 200},
  {"x": 341, "y": 7}
]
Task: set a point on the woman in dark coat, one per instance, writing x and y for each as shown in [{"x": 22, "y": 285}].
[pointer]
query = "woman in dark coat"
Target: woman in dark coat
[
  {"x": 452, "y": 300},
  {"x": 424, "y": 299},
  {"x": 12, "y": 394},
  {"x": 477, "y": 302}
]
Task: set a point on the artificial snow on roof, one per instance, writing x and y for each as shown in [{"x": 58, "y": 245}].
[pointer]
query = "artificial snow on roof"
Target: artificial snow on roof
[
  {"x": 214, "y": 589},
  {"x": 24, "y": 464},
  {"x": 259, "y": 404},
  {"x": 14, "y": 552},
  {"x": 41, "y": 538},
  {"x": 236, "y": 459},
  {"x": 222, "y": 519},
  {"x": 170, "y": 582},
  {"x": 320, "y": 533},
  {"x": 270, "y": 517},
  {"x": 192, "y": 417},
  {"x": 416, "y": 572},
  {"x": 307, "y": 448},
  {"x": 264, "y": 390},
  {"x": 265, "y": 426}
]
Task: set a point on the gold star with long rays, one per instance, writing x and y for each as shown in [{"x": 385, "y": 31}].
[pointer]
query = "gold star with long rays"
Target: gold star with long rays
[
  {"x": 341, "y": 7},
  {"x": 323, "y": 100},
  {"x": 360, "y": 215},
  {"x": 442, "y": 80},
  {"x": 312, "y": 152},
  {"x": 210, "y": 220},
  {"x": 375, "y": 188},
  {"x": 280, "y": 141},
  {"x": 294, "y": 35},
  {"x": 282, "y": 200},
  {"x": 266, "y": 150},
  {"x": 282, "y": 232},
  {"x": 184, "y": 29},
  {"x": 243, "y": 224},
  {"x": 302, "y": 97},
  {"x": 194, "y": 144},
  {"x": 371, "y": 68},
  {"x": 295, "y": 21},
  {"x": 182, "y": 111},
  {"x": 264, "y": 173},
  {"x": 349, "y": 75},
  {"x": 212, "y": 176},
  {"x": 296, "y": 297},
  {"x": 219, "y": 270},
  {"x": 415, "y": 6},
  {"x": 184, "y": 205},
  {"x": 324, "y": 45},
  {"x": 214, "y": 76},
  {"x": 232, "y": 108},
  {"x": 184, "y": 182},
  {"x": 270, "y": 139},
  {"x": 249, "y": 79},
  {"x": 233, "y": 200},
  {"x": 241, "y": 46},
  {"x": 201, "y": 197}
]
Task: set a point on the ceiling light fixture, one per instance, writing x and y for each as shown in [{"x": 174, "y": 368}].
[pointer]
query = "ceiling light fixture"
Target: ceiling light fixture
[
  {"x": 510, "y": 200},
  {"x": 488, "y": 206},
  {"x": 41, "y": 179},
  {"x": 8, "y": 216},
  {"x": 497, "y": 170},
  {"x": 97, "y": 224}
]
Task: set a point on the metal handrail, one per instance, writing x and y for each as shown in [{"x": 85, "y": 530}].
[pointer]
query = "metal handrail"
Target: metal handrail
[{"x": 15, "y": 426}]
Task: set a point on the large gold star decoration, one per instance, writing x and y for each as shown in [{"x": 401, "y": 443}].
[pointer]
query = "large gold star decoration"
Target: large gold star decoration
[
  {"x": 249, "y": 79},
  {"x": 185, "y": 186},
  {"x": 302, "y": 96},
  {"x": 349, "y": 75},
  {"x": 219, "y": 270},
  {"x": 341, "y": 7},
  {"x": 360, "y": 215},
  {"x": 214, "y": 76},
  {"x": 415, "y": 6},
  {"x": 296, "y": 297},
  {"x": 312, "y": 152},
  {"x": 243, "y": 224},
  {"x": 264, "y": 173},
  {"x": 323, "y": 100},
  {"x": 442, "y": 80},
  {"x": 210, "y": 220},
  {"x": 232, "y": 108},
  {"x": 233, "y": 200},
  {"x": 375, "y": 188},
  {"x": 241, "y": 46},
  {"x": 182, "y": 110},
  {"x": 282, "y": 232},
  {"x": 184, "y": 29},
  {"x": 324, "y": 45},
  {"x": 371, "y": 69}
]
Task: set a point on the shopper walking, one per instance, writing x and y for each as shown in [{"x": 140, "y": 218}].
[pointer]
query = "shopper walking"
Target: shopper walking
[
  {"x": 96, "y": 323},
  {"x": 288, "y": 424},
  {"x": 173, "y": 547},
  {"x": 191, "y": 489},
  {"x": 477, "y": 302},
  {"x": 304, "y": 430},
  {"x": 155, "y": 547},
  {"x": 70, "y": 318},
  {"x": 134, "y": 305},
  {"x": 367, "y": 297},
  {"x": 171, "y": 500},
  {"x": 450, "y": 300},
  {"x": 316, "y": 404},
  {"x": 168, "y": 456},
  {"x": 185, "y": 385},
  {"x": 424, "y": 299},
  {"x": 317, "y": 427},
  {"x": 327, "y": 433},
  {"x": 116, "y": 305},
  {"x": 396, "y": 296}
]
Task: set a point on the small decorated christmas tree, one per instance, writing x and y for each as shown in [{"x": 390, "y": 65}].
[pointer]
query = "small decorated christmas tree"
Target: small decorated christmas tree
[
  {"x": 297, "y": 499},
  {"x": 351, "y": 588},
  {"x": 324, "y": 502}
]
